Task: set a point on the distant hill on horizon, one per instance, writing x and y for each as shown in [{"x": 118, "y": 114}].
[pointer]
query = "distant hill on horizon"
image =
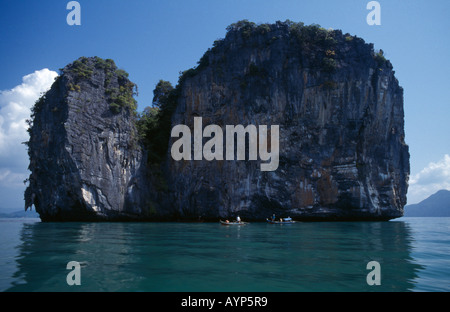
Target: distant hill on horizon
[
  {"x": 19, "y": 214},
  {"x": 437, "y": 205}
]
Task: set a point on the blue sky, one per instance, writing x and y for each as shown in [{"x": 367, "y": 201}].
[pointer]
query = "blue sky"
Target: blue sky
[{"x": 155, "y": 40}]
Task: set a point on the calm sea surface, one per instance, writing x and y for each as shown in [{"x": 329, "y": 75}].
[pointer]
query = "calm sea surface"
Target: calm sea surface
[{"x": 413, "y": 253}]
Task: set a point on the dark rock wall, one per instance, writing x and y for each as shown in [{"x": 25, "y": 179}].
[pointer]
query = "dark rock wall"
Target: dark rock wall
[{"x": 342, "y": 149}]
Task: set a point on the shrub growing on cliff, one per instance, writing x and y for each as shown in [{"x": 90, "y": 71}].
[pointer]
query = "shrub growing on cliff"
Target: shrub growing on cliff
[
  {"x": 379, "y": 58},
  {"x": 312, "y": 34},
  {"x": 123, "y": 97},
  {"x": 161, "y": 93},
  {"x": 146, "y": 122},
  {"x": 80, "y": 68},
  {"x": 154, "y": 123},
  {"x": 121, "y": 74},
  {"x": 328, "y": 64},
  {"x": 37, "y": 105},
  {"x": 243, "y": 26},
  {"x": 105, "y": 64},
  {"x": 263, "y": 28}
]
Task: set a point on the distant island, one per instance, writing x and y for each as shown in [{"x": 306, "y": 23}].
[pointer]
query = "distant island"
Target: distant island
[
  {"x": 437, "y": 205},
  {"x": 19, "y": 214}
]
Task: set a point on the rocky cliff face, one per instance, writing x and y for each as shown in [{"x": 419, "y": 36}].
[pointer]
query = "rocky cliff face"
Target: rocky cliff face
[
  {"x": 340, "y": 112},
  {"x": 84, "y": 157},
  {"x": 337, "y": 103}
]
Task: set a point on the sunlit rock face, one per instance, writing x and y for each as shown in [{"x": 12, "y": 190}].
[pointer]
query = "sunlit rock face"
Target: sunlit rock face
[{"x": 84, "y": 156}]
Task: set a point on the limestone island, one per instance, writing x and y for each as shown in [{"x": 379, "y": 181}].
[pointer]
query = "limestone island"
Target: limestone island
[{"x": 338, "y": 106}]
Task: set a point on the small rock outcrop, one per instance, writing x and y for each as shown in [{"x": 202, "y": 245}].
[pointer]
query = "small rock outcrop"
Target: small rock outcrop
[{"x": 338, "y": 105}]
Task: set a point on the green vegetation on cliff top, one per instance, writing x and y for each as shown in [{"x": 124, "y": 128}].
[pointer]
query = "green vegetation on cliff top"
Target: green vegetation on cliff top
[{"x": 121, "y": 94}]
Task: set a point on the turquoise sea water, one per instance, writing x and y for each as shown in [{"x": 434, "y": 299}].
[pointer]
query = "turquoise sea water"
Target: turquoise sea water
[{"x": 413, "y": 253}]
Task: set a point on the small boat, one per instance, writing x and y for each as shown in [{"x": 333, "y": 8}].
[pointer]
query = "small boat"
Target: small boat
[
  {"x": 233, "y": 223},
  {"x": 281, "y": 221}
]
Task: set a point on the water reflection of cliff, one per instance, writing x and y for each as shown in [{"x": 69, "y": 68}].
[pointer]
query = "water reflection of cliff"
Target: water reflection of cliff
[
  {"x": 47, "y": 248},
  {"x": 193, "y": 257}
]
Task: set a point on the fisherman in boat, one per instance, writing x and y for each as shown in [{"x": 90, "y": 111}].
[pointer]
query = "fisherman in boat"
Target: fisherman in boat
[{"x": 238, "y": 219}]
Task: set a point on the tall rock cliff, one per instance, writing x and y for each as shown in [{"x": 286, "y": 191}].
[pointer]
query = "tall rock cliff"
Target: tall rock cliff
[
  {"x": 85, "y": 162},
  {"x": 337, "y": 103},
  {"x": 340, "y": 113}
]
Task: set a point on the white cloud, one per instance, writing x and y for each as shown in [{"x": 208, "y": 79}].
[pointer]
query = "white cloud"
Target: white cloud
[
  {"x": 15, "y": 105},
  {"x": 434, "y": 177},
  {"x": 15, "y": 108}
]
